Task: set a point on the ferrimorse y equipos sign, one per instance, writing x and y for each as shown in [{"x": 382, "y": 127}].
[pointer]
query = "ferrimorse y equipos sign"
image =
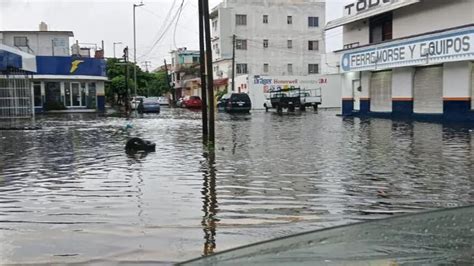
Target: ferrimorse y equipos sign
[{"x": 448, "y": 46}]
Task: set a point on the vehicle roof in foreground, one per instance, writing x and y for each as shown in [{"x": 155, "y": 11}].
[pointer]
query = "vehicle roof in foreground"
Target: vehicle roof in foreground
[{"x": 439, "y": 237}]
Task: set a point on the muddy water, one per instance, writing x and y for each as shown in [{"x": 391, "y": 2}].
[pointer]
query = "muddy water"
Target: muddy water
[{"x": 69, "y": 192}]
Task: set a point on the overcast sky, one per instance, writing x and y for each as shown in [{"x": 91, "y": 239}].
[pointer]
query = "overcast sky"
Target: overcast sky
[{"x": 95, "y": 20}]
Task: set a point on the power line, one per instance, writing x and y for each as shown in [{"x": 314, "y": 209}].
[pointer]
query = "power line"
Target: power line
[
  {"x": 165, "y": 29},
  {"x": 176, "y": 25}
]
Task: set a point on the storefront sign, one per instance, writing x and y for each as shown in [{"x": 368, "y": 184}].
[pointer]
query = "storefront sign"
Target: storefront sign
[
  {"x": 431, "y": 49},
  {"x": 363, "y": 5},
  {"x": 269, "y": 84},
  {"x": 66, "y": 65}
]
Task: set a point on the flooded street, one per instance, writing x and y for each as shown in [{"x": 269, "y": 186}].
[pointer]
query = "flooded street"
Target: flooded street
[{"x": 70, "y": 193}]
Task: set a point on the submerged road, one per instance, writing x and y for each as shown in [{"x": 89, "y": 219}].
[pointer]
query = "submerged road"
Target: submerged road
[{"x": 70, "y": 193}]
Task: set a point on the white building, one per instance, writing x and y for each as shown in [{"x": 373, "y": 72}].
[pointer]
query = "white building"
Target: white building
[
  {"x": 42, "y": 42},
  {"x": 61, "y": 81},
  {"x": 408, "y": 58},
  {"x": 278, "y": 37}
]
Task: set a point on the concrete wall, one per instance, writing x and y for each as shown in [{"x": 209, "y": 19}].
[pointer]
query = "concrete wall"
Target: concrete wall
[
  {"x": 277, "y": 31},
  {"x": 357, "y": 32},
  {"x": 330, "y": 86},
  {"x": 426, "y": 16},
  {"x": 40, "y": 43},
  {"x": 431, "y": 15}
]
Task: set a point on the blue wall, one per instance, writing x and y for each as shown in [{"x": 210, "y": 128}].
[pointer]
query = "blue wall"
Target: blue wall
[
  {"x": 66, "y": 65},
  {"x": 402, "y": 108}
]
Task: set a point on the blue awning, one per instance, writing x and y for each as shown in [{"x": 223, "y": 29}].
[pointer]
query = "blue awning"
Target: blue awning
[{"x": 16, "y": 59}]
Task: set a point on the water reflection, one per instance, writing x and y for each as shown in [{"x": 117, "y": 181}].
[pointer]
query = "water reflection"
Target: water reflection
[
  {"x": 70, "y": 188},
  {"x": 209, "y": 196}
]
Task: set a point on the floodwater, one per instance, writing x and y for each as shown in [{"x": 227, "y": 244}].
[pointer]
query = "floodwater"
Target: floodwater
[{"x": 70, "y": 193}]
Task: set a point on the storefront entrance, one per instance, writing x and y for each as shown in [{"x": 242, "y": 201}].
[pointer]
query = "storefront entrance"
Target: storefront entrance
[{"x": 75, "y": 94}]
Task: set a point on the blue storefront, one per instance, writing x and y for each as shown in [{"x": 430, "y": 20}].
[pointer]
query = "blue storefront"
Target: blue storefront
[{"x": 65, "y": 83}]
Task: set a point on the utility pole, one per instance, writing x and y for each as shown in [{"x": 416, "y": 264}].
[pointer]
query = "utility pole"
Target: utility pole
[
  {"x": 127, "y": 93},
  {"x": 210, "y": 78},
  {"x": 168, "y": 82},
  {"x": 202, "y": 61},
  {"x": 233, "y": 62},
  {"x": 135, "y": 46},
  {"x": 147, "y": 64}
]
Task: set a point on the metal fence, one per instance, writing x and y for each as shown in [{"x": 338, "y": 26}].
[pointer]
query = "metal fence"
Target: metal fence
[{"x": 16, "y": 99}]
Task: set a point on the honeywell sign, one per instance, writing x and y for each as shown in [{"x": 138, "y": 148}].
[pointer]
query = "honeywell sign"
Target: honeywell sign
[{"x": 363, "y": 5}]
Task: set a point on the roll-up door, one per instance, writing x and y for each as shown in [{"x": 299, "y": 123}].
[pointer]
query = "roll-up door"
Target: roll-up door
[
  {"x": 472, "y": 86},
  {"x": 381, "y": 91},
  {"x": 428, "y": 90}
]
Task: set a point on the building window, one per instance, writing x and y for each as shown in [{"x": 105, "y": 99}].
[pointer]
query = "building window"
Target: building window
[
  {"x": 381, "y": 28},
  {"x": 195, "y": 59},
  {"x": 313, "y": 69},
  {"x": 37, "y": 93},
  {"x": 265, "y": 68},
  {"x": 242, "y": 69},
  {"x": 241, "y": 20},
  {"x": 241, "y": 44},
  {"x": 290, "y": 44},
  {"x": 290, "y": 69},
  {"x": 313, "y": 22},
  {"x": 289, "y": 20},
  {"x": 214, "y": 25},
  {"x": 265, "y": 19},
  {"x": 20, "y": 41},
  {"x": 265, "y": 43},
  {"x": 313, "y": 45}
]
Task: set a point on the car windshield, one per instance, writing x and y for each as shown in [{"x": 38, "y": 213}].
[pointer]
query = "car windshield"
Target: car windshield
[
  {"x": 159, "y": 131},
  {"x": 240, "y": 97}
]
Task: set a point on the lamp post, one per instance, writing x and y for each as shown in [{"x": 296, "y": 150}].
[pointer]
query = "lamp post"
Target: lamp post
[
  {"x": 135, "y": 47},
  {"x": 115, "y": 43}
]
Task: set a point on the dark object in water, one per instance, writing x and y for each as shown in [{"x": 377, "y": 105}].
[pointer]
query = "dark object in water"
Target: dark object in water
[{"x": 138, "y": 144}]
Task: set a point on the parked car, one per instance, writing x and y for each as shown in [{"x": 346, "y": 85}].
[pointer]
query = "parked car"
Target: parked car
[
  {"x": 151, "y": 105},
  {"x": 193, "y": 102},
  {"x": 163, "y": 101},
  {"x": 136, "y": 101},
  {"x": 235, "y": 103}
]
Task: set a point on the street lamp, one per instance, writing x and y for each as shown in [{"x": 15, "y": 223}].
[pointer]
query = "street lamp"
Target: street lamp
[
  {"x": 115, "y": 43},
  {"x": 135, "y": 46}
]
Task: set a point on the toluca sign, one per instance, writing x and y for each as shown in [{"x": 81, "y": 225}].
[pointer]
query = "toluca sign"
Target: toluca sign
[
  {"x": 363, "y": 5},
  {"x": 454, "y": 45}
]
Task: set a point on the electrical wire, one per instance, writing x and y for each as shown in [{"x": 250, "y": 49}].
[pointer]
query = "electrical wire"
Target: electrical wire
[{"x": 165, "y": 29}]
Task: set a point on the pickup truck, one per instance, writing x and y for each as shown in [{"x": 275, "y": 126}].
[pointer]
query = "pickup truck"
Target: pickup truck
[{"x": 292, "y": 99}]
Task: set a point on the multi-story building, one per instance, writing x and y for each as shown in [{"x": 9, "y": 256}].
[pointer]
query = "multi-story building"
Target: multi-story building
[
  {"x": 185, "y": 72},
  {"x": 62, "y": 80},
  {"x": 276, "y": 38},
  {"x": 409, "y": 58}
]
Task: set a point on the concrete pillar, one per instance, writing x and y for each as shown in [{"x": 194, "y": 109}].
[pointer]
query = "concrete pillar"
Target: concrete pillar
[
  {"x": 347, "y": 93},
  {"x": 100, "y": 92},
  {"x": 402, "y": 91},
  {"x": 365, "y": 93},
  {"x": 456, "y": 90}
]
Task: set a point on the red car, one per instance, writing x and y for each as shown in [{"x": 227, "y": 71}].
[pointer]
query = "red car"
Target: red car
[{"x": 194, "y": 102}]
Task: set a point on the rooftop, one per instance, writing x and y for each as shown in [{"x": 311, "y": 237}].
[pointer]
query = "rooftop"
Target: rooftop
[{"x": 69, "y": 33}]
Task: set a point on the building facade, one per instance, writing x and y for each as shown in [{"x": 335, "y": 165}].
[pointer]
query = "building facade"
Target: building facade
[
  {"x": 184, "y": 72},
  {"x": 62, "y": 80},
  {"x": 409, "y": 58},
  {"x": 278, "y": 38}
]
